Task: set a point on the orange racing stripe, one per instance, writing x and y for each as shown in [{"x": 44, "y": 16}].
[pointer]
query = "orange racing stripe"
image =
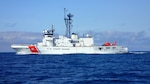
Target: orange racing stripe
[{"x": 33, "y": 49}]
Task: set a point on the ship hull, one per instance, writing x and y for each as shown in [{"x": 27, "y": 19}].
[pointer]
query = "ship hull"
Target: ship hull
[{"x": 33, "y": 49}]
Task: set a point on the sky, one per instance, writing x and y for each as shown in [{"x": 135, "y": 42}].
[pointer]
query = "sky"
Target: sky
[{"x": 109, "y": 16}]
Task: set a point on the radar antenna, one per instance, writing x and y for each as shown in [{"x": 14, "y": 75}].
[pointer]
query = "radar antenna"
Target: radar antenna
[{"x": 68, "y": 23}]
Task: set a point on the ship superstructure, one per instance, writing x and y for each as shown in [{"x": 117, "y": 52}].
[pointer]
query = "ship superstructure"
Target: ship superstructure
[{"x": 68, "y": 44}]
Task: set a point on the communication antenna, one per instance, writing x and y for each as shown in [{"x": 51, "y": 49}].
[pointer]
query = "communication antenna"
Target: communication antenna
[
  {"x": 68, "y": 23},
  {"x": 52, "y": 29}
]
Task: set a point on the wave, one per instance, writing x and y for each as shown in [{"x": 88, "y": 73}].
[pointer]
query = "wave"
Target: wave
[{"x": 138, "y": 52}]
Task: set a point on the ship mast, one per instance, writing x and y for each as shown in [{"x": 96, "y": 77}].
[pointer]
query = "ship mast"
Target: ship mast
[{"x": 68, "y": 23}]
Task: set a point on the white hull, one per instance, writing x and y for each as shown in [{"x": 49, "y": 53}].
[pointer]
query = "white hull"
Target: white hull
[{"x": 24, "y": 49}]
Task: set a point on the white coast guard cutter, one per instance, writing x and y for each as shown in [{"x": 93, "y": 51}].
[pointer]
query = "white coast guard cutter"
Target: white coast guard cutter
[{"x": 69, "y": 44}]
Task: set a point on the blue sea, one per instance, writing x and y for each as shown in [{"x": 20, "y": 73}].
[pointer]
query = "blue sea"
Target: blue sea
[{"x": 132, "y": 68}]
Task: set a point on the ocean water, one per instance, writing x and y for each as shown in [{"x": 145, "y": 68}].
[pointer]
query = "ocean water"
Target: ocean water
[{"x": 133, "y": 68}]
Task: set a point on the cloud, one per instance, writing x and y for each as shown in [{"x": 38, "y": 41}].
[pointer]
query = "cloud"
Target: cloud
[
  {"x": 135, "y": 41},
  {"x": 10, "y": 24},
  {"x": 20, "y": 36},
  {"x": 8, "y": 38}
]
